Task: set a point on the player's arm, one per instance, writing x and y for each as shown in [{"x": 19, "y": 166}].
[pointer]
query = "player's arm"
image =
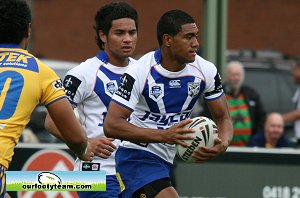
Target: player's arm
[
  {"x": 117, "y": 126},
  {"x": 219, "y": 111},
  {"x": 101, "y": 146},
  {"x": 291, "y": 116},
  {"x": 66, "y": 122},
  {"x": 50, "y": 127}
]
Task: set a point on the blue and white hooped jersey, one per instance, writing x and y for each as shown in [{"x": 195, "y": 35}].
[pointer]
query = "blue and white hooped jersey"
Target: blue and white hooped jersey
[
  {"x": 160, "y": 98},
  {"x": 89, "y": 87}
]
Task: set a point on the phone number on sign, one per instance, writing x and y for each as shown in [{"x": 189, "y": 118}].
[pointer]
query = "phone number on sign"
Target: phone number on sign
[{"x": 281, "y": 192}]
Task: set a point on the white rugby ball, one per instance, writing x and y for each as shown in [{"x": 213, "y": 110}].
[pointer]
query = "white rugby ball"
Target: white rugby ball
[{"x": 206, "y": 132}]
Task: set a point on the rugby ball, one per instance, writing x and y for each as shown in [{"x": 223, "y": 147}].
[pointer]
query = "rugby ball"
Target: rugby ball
[{"x": 206, "y": 132}]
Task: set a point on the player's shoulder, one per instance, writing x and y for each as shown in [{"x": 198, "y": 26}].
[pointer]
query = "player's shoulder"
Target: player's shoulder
[
  {"x": 146, "y": 61},
  {"x": 203, "y": 65},
  {"x": 86, "y": 68}
]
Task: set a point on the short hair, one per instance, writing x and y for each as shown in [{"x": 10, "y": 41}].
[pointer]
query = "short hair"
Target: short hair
[
  {"x": 110, "y": 12},
  {"x": 15, "y": 18},
  {"x": 171, "y": 22}
]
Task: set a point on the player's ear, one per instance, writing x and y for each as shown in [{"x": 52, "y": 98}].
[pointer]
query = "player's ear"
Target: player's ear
[
  {"x": 102, "y": 36},
  {"x": 167, "y": 40},
  {"x": 28, "y": 33}
]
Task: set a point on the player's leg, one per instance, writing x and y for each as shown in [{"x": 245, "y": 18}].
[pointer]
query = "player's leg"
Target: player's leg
[
  {"x": 168, "y": 192},
  {"x": 161, "y": 188},
  {"x": 2, "y": 181}
]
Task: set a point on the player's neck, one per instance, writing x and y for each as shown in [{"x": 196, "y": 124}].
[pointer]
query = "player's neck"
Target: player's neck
[
  {"x": 115, "y": 60},
  {"x": 170, "y": 63}
]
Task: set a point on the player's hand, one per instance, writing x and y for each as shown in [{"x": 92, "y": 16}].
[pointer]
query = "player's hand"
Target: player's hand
[
  {"x": 88, "y": 155},
  {"x": 177, "y": 133},
  {"x": 102, "y": 147},
  {"x": 203, "y": 153}
]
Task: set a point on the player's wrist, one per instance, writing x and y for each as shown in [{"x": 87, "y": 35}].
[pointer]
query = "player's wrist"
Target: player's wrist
[{"x": 84, "y": 151}]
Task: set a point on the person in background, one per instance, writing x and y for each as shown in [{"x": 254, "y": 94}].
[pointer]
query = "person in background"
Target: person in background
[
  {"x": 153, "y": 104},
  {"x": 273, "y": 134},
  {"x": 91, "y": 85},
  {"x": 294, "y": 116},
  {"x": 245, "y": 108},
  {"x": 24, "y": 83}
]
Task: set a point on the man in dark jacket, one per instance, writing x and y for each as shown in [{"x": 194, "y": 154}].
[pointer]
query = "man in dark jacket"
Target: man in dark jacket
[
  {"x": 245, "y": 107},
  {"x": 273, "y": 134}
]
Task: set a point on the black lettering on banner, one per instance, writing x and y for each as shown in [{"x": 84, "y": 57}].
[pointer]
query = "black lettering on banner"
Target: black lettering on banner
[
  {"x": 126, "y": 86},
  {"x": 71, "y": 84}
]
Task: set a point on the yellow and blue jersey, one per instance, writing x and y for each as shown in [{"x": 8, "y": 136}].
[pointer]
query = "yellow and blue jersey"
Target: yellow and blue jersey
[{"x": 24, "y": 83}]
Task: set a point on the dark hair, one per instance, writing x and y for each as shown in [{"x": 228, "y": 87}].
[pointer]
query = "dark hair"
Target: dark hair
[
  {"x": 171, "y": 22},
  {"x": 110, "y": 12},
  {"x": 15, "y": 16}
]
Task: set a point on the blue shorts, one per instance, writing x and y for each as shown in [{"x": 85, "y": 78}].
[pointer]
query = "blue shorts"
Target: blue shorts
[
  {"x": 112, "y": 189},
  {"x": 138, "y": 168},
  {"x": 2, "y": 181}
]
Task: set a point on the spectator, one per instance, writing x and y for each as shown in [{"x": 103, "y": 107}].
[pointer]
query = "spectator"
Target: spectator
[
  {"x": 273, "y": 134},
  {"x": 294, "y": 116},
  {"x": 245, "y": 107}
]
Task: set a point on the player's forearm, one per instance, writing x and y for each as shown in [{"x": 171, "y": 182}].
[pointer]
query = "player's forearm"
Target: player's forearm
[
  {"x": 66, "y": 122},
  {"x": 225, "y": 129},
  {"x": 51, "y": 128},
  {"x": 122, "y": 129},
  {"x": 291, "y": 116}
]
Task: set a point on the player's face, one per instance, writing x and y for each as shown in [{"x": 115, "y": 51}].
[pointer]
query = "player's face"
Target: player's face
[
  {"x": 184, "y": 45},
  {"x": 121, "y": 40}
]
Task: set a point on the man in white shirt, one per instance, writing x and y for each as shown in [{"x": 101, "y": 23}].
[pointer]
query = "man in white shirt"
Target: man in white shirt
[
  {"x": 91, "y": 85},
  {"x": 153, "y": 104}
]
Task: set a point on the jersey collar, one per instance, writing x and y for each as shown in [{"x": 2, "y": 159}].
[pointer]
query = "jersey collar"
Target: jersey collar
[
  {"x": 9, "y": 45},
  {"x": 102, "y": 56},
  {"x": 157, "y": 56}
]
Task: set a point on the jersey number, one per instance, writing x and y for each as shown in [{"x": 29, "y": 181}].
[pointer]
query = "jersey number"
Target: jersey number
[{"x": 11, "y": 85}]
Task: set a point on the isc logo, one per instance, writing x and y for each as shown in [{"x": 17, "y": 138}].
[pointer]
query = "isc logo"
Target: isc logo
[{"x": 174, "y": 84}]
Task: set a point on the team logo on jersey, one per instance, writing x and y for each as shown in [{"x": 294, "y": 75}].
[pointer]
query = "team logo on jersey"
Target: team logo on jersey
[
  {"x": 111, "y": 87},
  {"x": 126, "y": 86},
  {"x": 57, "y": 84},
  {"x": 71, "y": 84},
  {"x": 174, "y": 84},
  {"x": 156, "y": 92},
  {"x": 193, "y": 88}
]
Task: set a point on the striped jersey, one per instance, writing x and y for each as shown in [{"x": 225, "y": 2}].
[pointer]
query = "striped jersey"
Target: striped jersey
[
  {"x": 24, "y": 83},
  {"x": 160, "y": 98},
  {"x": 89, "y": 87}
]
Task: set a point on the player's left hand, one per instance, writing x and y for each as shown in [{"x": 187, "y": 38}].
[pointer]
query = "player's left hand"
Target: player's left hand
[
  {"x": 102, "y": 146},
  {"x": 203, "y": 153}
]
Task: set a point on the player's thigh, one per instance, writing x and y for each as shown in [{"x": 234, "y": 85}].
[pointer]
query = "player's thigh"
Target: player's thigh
[
  {"x": 168, "y": 192},
  {"x": 159, "y": 188}
]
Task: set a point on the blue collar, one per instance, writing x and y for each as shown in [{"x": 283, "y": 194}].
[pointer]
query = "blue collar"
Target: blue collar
[
  {"x": 9, "y": 45},
  {"x": 102, "y": 56},
  {"x": 157, "y": 56}
]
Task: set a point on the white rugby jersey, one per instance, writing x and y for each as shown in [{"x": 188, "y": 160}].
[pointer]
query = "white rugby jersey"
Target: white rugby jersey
[
  {"x": 89, "y": 87},
  {"x": 160, "y": 98}
]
